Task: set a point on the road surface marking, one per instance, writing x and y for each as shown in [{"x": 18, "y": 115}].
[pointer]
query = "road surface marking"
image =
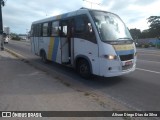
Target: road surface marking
[
  {"x": 148, "y": 70},
  {"x": 143, "y": 50},
  {"x": 148, "y": 54},
  {"x": 148, "y": 61},
  {"x": 148, "y": 51}
]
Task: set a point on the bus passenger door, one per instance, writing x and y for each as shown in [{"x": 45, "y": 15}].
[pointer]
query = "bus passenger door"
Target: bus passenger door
[{"x": 66, "y": 42}]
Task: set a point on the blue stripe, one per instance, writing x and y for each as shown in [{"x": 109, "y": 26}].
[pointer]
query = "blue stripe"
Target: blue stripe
[
  {"x": 125, "y": 52},
  {"x": 55, "y": 48}
]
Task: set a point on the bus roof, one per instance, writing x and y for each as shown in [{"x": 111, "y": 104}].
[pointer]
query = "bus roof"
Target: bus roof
[
  {"x": 69, "y": 14},
  {"x": 61, "y": 16}
]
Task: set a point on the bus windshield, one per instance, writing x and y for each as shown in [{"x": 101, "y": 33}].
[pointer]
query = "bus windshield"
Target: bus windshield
[{"x": 110, "y": 26}]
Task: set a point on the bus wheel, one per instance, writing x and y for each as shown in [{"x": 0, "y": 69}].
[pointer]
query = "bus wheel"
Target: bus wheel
[
  {"x": 44, "y": 57},
  {"x": 84, "y": 68}
]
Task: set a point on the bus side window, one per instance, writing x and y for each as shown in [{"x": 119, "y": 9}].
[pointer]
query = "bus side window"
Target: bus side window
[
  {"x": 45, "y": 30},
  {"x": 64, "y": 28},
  {"x": 55, "y": 28},
  {"x": 31, "y": 33},
  {"x": 71, "y": 28},
  {"x": 35, "y": 30},
  {"x": 84, "y": 29},
  {"x": 39, "y": 30},
  {"x": 80, "y": 25}
]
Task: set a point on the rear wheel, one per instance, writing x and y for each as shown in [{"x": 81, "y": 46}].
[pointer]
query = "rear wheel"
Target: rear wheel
[
  {"x": 44, "y": 57},
  {"x": 83, "y": 68}
]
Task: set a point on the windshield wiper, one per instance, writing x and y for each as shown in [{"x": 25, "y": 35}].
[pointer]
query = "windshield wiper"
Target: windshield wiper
[{"x": 124, "y": 38}]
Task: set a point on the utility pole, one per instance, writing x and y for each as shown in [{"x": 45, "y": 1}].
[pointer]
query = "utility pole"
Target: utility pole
[
  {"x": 1, "y": 25},
  {"x": 1, "y": 20}
]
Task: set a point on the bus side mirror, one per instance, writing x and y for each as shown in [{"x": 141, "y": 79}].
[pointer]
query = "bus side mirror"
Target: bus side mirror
[{"x": 89, "y": 28}]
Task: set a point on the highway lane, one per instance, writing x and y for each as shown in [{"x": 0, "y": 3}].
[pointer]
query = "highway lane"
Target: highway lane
[
  {"x": 138, "y": 90},
  {"x": 149, "y": 55},
  {"x": 149, "y": 60}
]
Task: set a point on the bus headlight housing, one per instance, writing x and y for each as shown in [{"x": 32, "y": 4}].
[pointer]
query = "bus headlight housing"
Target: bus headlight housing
[{"x": 110, "y": 57}]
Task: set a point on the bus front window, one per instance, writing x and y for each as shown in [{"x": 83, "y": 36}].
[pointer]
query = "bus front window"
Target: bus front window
[{"x": 110, "y": 26}]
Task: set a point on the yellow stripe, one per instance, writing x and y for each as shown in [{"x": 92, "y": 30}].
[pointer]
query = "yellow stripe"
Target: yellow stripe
[
  {"x": 50, "y": 48},
  {"x": 123, "y": 47}
]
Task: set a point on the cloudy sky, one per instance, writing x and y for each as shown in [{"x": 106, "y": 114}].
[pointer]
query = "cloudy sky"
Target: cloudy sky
[{"x": 19, "y": 14}]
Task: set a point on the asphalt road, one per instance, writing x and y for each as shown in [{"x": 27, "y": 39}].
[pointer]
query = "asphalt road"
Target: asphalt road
[{"x": 139, "y": 90}]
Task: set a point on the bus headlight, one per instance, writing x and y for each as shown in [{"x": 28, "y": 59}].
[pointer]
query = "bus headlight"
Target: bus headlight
[{"x": 110, "y": 57}]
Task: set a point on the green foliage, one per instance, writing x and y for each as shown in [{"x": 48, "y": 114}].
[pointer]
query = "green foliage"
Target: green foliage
[
  {"x": 144, "y": 45},
  {"x": 152, "y": 32},
  {"x": 15, "y": 36},
  {"x": 154, "y": 27},
  {"x": 135, "y": 33},
  {"x": 145, "y": 34},
  {"x": 148, "y": 45}
]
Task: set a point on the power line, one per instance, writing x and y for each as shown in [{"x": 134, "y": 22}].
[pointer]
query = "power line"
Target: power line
[{"x": 91, "y": 2}]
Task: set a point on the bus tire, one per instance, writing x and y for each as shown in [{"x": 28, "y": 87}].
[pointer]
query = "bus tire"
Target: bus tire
[
  {"x": 44, "y": 57},
  {"x": 83, "y": 68}
]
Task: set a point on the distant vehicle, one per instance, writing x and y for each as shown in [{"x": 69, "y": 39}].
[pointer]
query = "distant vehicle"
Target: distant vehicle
[
  {"x": 92, "y": 41},
  {"x": 6, "y": 40}
]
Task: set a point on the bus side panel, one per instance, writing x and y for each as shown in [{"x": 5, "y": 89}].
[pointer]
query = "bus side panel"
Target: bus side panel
[
  {"x": 89, "y": 50},
  {"x": 54, "y": 49},
  {"x": 43, "y": 44},
  {"x": 65, "y": 51},
  {"x": 35, "y": 45}
]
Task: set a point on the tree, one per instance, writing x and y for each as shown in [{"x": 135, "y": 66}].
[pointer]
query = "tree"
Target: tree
[
  {"x": 146, "y": 34},
  {"x": 154, "y": 27},
  {"x": 136, "y": 33}
]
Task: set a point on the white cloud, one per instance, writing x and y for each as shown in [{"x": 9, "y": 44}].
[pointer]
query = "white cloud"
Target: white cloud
[{"x": 19, "y": 14}]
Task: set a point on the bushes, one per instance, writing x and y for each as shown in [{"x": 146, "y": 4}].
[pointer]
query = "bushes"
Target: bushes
[
  {"x": 145, "y": 45},
  {"x": 152, "y": 45},
  {"x": 148, "y": 45},
  {"x": 16, "y": 38}
]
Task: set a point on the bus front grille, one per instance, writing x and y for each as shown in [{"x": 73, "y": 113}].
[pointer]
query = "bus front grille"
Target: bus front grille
[
  {"x": 126, "y": 67},
  {"x": 126, "y": 57}
]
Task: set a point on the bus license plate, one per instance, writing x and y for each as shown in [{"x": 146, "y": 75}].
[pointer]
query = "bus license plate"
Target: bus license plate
[{"x": 128, "y": 63}]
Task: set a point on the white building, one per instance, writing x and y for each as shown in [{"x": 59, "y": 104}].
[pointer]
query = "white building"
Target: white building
[{"x": 6, "y": 30}]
